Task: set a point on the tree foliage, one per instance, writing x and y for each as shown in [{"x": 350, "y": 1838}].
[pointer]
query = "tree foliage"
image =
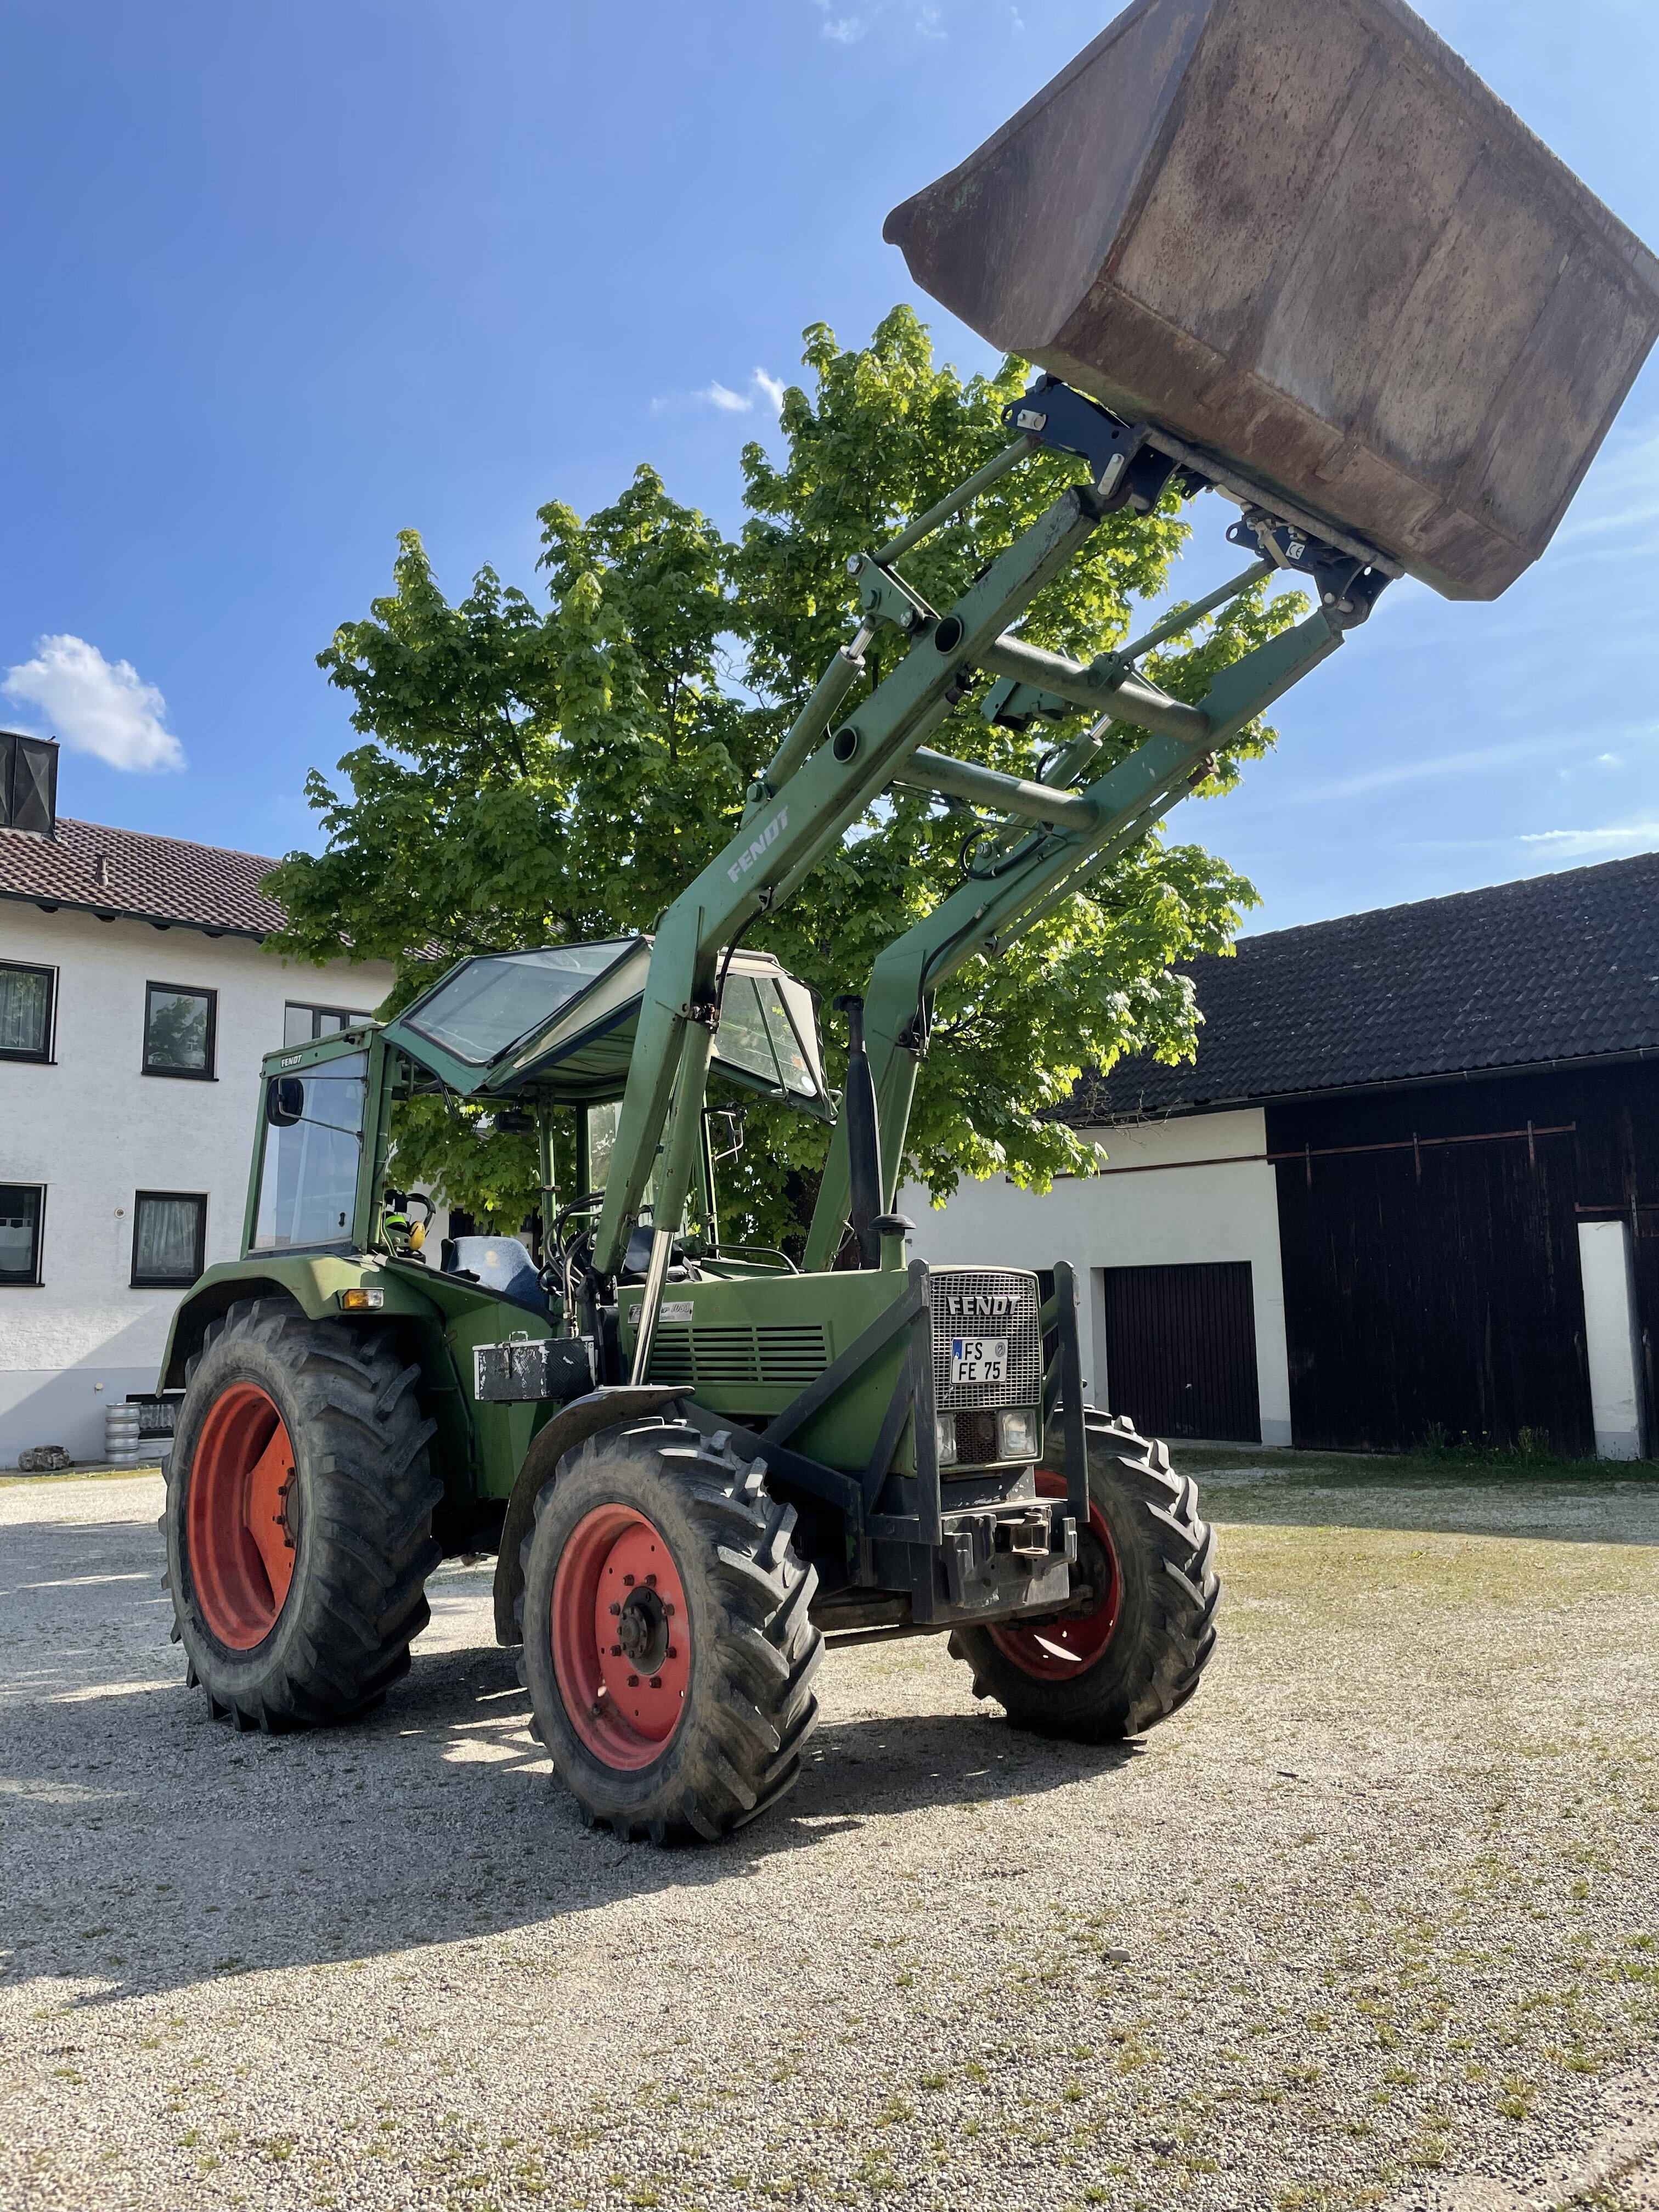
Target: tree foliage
[{"x": 532, "y": 774}]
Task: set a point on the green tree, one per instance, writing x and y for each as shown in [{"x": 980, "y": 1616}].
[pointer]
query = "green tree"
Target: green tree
[{"x": 535, "y": 773}]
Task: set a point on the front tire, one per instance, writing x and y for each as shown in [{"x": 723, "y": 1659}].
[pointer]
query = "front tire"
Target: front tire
[
  {"x": 667, "y": 1647},
  {"x": 1133, "y": 1651},
  {"x": 298, "y": 1517}
]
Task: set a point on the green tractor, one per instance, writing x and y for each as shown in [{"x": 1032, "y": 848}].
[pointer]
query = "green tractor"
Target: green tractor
[{"x": 699, "y": 1464}]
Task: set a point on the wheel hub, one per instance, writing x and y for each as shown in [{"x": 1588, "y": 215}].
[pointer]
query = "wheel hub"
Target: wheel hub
[
  {"x": 621, "y": 1636},
  {"x": 242, "y": 1516},
  {"x": 642, "y": 1629}
]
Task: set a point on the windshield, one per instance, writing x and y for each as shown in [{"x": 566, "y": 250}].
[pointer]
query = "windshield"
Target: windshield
[
  {"x": 312, "y": 1143},
  {"x": 501, "y": 997},
  {"x": 756, "y": 1037}
]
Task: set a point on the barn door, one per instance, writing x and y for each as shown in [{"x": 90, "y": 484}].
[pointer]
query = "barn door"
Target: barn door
[{"x": 1180, "y": 1350}]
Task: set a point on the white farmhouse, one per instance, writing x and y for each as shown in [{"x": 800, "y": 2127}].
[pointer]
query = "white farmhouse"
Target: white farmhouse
[{"x": 134, "y": 1005}]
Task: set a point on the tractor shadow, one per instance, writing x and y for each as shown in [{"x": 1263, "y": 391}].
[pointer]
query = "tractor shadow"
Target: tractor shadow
[{"x": 156, "y": 1849}]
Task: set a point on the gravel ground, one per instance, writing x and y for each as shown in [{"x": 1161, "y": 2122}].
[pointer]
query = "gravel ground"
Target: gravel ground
[{"x": 1373, "y": 1921}]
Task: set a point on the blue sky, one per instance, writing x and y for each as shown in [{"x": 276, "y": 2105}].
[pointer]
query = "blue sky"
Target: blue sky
[{"x": 284, "y": 279}]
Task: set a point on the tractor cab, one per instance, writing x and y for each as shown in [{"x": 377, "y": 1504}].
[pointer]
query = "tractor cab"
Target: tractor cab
[{"x": 532, "y": 1032}]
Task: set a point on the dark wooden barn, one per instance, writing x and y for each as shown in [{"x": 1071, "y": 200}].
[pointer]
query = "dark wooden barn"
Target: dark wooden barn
[{"x": 1459, "y": 1104}]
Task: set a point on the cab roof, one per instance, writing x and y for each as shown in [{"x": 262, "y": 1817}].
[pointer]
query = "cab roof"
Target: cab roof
[{"x": 559, "y": 1022}]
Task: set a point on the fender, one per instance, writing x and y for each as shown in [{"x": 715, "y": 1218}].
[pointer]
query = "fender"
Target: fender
[{"x": 582, "y": 1418}]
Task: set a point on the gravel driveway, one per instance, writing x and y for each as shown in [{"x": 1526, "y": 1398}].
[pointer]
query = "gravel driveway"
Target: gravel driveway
[{"x": 1375, "y": 1921}]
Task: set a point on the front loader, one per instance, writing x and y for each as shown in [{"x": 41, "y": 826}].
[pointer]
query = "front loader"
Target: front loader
[{"x": 698, "y": 1464}]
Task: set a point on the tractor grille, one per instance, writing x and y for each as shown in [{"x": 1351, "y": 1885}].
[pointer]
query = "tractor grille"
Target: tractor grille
[
  {"x": 776, "y": 1357},
  {"x": 986, "y": 1302}
]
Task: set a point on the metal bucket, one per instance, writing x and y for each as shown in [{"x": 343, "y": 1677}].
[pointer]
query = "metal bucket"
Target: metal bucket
[{"x": 1303, "y": 236}]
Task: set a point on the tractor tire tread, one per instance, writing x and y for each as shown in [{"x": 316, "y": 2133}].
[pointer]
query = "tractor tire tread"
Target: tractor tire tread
[
  {"x": 1169, "y": 1595},
  {"x": 366, "y": 1547},
  {"x": 737, "y": 1746}
]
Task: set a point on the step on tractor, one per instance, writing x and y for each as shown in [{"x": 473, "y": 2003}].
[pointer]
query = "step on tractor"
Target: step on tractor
[{"x": 1391, "y": 330}]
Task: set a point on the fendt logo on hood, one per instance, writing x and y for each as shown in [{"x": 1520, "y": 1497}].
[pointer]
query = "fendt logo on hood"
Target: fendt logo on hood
[
  {"x": 985, "y": 1305},
  {"x": 760, "y": 846}
]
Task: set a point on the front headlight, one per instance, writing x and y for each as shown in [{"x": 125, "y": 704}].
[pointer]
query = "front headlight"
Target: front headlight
[
  {"x": 1017, "y": 1433},
  {"x": 944, "y": 1434}
]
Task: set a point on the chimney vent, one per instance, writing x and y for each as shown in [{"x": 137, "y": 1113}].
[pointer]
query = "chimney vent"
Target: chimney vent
[
  {"x": 28, "y": 783},
  {"x": 100, "y": 869}
]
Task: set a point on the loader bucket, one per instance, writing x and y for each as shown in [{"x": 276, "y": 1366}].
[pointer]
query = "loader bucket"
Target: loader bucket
[{"x": 1304, "y": 238}]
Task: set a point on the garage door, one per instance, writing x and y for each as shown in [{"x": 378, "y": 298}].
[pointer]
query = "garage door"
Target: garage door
[{"x": 1180, "y": 1350}]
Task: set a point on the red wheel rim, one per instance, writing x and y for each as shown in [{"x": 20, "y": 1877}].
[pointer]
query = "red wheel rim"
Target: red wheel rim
[
  {"x": 241, "y": 1516},
  {"x": 621, "y": 1636},
  {"x": 1059, "y": 1649}
]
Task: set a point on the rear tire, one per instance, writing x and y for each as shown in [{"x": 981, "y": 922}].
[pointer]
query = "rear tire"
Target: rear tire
[
  {"x": 298, "y": 1517},
  {"x": 1133, "y": 1655},
  {"x": 667, "y": 1647}
]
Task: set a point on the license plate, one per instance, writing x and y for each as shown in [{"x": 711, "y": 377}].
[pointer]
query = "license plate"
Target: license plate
[{"x": 979, "y": 1359}]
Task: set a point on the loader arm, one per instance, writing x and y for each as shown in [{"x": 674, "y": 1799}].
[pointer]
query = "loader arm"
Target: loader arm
[
  {"x": 791, "y": 823},
  {"x": 822, "y": 779},
  {"x": 1054, "y": 864}
]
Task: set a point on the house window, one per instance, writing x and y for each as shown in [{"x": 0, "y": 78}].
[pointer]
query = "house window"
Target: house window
[
  {"x": 25, "y": 1007},
  {"x": 169, "y": 1237},
  {"x": 305, "y": 1025},
  {"x": 179, "y": 1030},
  {"x": 22, "y": 1207}
]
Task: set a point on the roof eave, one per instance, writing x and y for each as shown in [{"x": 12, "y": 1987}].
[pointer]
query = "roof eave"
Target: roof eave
[
  {"x": 1184, "y": 1110},
  {"x": 106, "y": 913}
]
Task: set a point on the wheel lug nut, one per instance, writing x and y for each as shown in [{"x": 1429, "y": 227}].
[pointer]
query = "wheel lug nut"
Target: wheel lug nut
[
  {"x": 668, "y": 1610},
  {"x": 673, "y": 1651},
  {"x": 616, "y": 1608},
  {"x": 656, "y": 1681},
  {"x": 627, "y": 1580},
  {"x": 633, "y": 1681},
  {"x": 616, "y": 1651},
  {"x": 650, "y": 1581}
]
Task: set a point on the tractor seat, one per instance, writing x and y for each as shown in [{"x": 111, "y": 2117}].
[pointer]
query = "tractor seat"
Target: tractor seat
[{"x": 498, "y": 1263}]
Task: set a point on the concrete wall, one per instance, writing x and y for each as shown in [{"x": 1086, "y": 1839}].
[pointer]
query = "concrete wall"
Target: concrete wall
[
  {"x": 1192, "y": 1189},
  {"x": 94, "y": 1130}
]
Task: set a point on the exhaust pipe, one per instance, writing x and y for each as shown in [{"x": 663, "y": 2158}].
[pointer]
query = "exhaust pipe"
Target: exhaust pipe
[{"x": 863, "y": 1138}]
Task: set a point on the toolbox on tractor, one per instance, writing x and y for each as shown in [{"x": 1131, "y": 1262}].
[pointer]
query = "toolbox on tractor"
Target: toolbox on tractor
[{"x": 699, "y": 1463}]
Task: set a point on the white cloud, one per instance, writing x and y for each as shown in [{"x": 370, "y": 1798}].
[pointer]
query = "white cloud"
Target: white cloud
[
  {"x": 716, "y": 394},
  {"x": 731, "y": 402},
  {"x": 97, "y": 706},
  {"x": 1586, "y": 844},
  {"x": 846, "y": 30}
]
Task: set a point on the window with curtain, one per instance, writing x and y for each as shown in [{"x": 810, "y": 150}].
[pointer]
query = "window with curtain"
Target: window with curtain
[
  {"x": 26, "y": 997},
  {"x": 169, "y": 1233},
  {"x": 21, "y": 1208}
]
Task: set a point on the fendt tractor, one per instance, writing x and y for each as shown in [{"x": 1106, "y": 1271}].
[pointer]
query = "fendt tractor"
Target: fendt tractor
[{"x": 1286, "y": 251}]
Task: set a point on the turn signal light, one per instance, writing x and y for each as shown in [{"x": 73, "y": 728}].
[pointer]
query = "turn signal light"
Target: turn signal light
[{"x": 360, "y": 1301}]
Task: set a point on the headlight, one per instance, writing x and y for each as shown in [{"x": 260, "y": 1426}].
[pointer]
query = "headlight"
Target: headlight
[
  {"x": 944, "y": 1435},
  {"x": 1017, "y": 1433}
]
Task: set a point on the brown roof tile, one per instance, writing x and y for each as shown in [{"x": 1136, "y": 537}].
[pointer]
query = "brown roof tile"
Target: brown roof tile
[{"x": 124, "y": 873}]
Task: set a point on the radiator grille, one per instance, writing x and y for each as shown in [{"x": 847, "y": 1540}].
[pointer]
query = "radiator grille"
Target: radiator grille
[
  {"x": 986, "y": 1302},
  {"x": 777, "y": 1356}
]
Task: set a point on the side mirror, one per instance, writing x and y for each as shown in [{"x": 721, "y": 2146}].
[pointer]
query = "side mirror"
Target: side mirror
[{"x": 285, "y": 1101}]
